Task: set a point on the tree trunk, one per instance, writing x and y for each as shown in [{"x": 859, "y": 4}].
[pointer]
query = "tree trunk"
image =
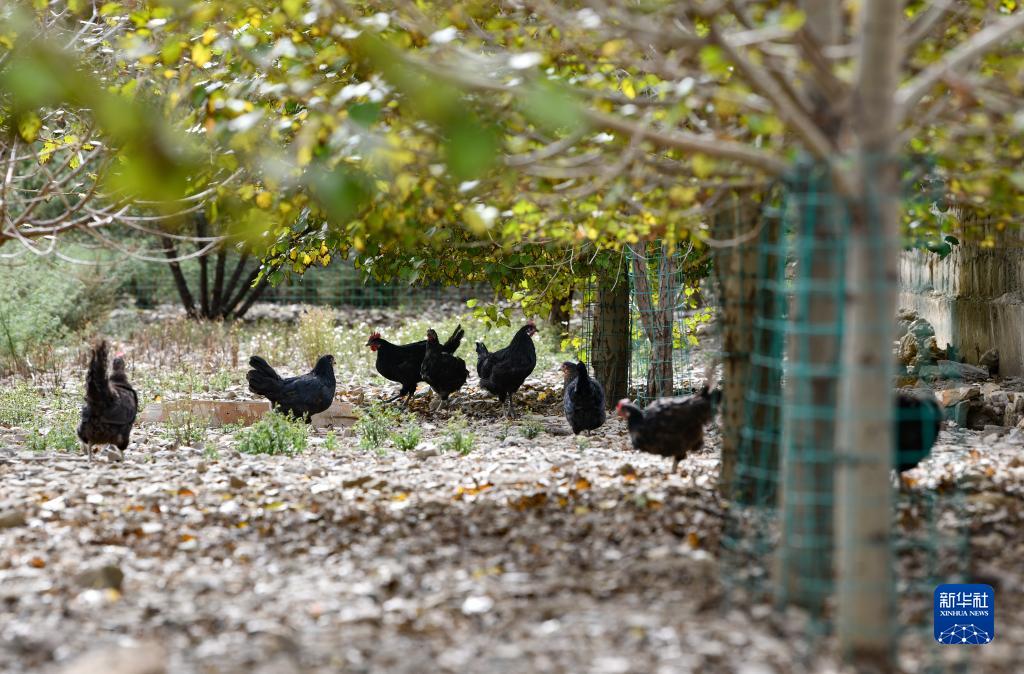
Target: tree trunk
[
  {"x": 217, "y": 300},
  {"x": 759, "y": 462},
  {"x": 804, "y": 571},
  {"x": 609, "y": 345},
  {"x": 254, "y": 292},
  {"x": 656, "y": 320},
  {"x": 204, "y": 295},
  {"x": 736, "y": 268},
  {"x": 179, "y": 279},
  {"x": 865, "y": 616}
]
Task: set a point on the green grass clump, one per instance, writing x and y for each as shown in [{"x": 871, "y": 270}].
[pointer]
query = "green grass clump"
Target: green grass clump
[
  {"x": 185, "y": 428},
  {"x": 275, "y": 434},
  {"x": 408, "y": 437},
  {"x": 458, "y": 438},
  {"x": 375, "y": 425},
  {"x": 531, "y": 428},
  {"x": 19, "y": 404}
]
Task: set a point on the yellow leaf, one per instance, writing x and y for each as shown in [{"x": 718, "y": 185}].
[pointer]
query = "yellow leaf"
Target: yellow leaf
[
  {"x": 680, "y": 195},
  {"x": 264, "y": 199},
  {"x": 612, "y": 47},
  {"x": 28, "y": 127},
  {"x": 209, "y": 35},
  {"x": 794, "y": 20},
  {"x": 628, "y": 90},
  {"x": 200, "y": 55},
  {"x": 703, "y": 166}
]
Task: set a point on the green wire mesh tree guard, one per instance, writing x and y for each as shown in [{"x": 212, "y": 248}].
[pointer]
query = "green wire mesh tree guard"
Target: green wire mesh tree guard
[{"x": 779, "y": 543}]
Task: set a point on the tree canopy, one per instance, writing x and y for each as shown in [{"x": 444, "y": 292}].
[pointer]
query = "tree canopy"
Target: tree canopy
[{"x": 500, "y": 142}]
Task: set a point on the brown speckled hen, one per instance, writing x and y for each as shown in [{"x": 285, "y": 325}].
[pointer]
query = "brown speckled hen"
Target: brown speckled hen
[{"x": 670, "y": 426}]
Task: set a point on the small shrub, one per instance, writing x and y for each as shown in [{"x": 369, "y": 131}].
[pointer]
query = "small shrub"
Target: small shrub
[
  {"x": 184, "y": 427},
  {"x": 331, "y": 442},
  {"x": 36, "y": 440},
  {"x": 407, "y": 438},
  {"x": 274, "y": 434},
  {"x": 375, "y": 424},
  {"x": 531, "y": 428},
  {"x": 316, "y": 334},
  {"x": 457, "y": 437},
  {"x": 221, "y": 380},
  {"x": 18, "y": 404},
  {"x": 211, "y": 453},
  {"x": 62, "y": 431}
]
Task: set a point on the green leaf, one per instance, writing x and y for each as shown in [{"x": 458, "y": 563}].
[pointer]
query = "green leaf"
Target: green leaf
[
  {"x": 471, "y": 149},
  {"x": 552, "y": 107},
  {"x": 364, "y": 113},
  {"x": 342, "y": 192}
]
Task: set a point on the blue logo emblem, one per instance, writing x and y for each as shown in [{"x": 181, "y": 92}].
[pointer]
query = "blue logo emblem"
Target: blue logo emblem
[{"x": 965, "y": 614}]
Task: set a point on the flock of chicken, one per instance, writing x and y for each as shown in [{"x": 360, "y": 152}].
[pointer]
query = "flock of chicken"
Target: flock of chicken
[{"x": 670, "y": 427}]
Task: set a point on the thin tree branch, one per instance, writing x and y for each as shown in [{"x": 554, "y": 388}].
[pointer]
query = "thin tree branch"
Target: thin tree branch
[{"x": 984, "y": 41}]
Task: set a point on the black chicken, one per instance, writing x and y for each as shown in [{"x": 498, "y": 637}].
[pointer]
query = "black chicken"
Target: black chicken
[
  {"x": 583, "y": 398},
  {"x": 670, "y": 426},
  {"x": 401, "y": 362},
  {"x": 111, "y": 403},
  {"x": 299, "y": 397},
  {"x": 442, "y": 371},
  {"x": 505, "y": 370},
  {"x": 918, "y": 422}
]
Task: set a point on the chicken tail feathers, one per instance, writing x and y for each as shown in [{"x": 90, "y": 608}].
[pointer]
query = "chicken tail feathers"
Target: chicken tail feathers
[
  {"x": 262, "y": 378},
  {"x": 455, "y": 341},
  {"x": 582, "y": 378},
  {"x": 97, "y": 390}
]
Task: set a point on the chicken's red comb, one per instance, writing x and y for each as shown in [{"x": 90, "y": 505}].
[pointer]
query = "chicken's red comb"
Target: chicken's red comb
[{"x": 119, "y": 354}]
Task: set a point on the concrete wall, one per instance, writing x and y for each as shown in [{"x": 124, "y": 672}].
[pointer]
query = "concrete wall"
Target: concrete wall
[{"x": 974, "y": 299}]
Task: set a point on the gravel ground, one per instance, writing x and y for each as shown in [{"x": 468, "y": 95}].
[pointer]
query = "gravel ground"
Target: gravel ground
[
  {"x": 524, "y": 555},
  {"x": 533, "y": 552}
]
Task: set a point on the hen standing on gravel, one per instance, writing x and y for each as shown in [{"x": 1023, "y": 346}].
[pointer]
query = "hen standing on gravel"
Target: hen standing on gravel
[
  {"x": 444, "y": 372},
  {"x": 505, "y": 370},
  {"x": 111, "y": 403},
  {"x": 401, "y": 363},
  {"x": 299, "y": 397},
  {"x": 670, "y": 426},
  {"x": 583, "y": 398}
]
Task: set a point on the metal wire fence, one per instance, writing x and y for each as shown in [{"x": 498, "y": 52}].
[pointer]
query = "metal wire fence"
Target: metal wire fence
[
  {"x": 781, "y": 534},
  {"x": 339, "y": 284}
]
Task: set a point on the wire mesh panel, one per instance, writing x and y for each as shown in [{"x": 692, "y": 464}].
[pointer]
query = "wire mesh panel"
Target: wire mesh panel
[
  {"x": 781, "y": 533},
  {"x": 339, "y": 284},
  {"x": 667, "y": 310}
]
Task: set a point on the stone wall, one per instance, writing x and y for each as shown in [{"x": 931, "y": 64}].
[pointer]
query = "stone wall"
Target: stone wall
[{"x": 974, "y": 299}]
